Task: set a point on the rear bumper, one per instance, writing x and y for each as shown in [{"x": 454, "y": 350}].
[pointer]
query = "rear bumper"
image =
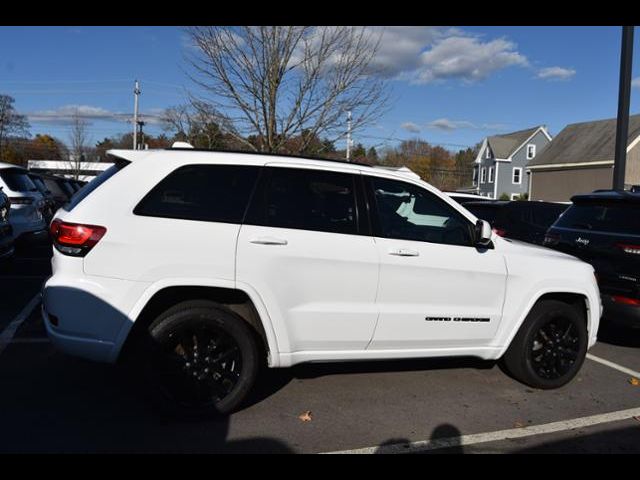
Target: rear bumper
[
  {"x": 620, "y": 314},
  {"x": 89, "y": 348}
]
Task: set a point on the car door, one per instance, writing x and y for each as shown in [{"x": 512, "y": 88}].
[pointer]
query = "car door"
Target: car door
[
  {"x": 436, "y": 289},
  {"x": 305, "y": 247}
]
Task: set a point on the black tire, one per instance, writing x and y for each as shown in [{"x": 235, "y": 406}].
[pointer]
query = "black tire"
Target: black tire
[
  {"x": 550, "y": 347},
  {"x": 197, "y": 359}
]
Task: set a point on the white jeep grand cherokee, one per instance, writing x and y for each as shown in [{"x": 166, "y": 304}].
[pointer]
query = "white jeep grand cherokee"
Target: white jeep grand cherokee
[{"x": 203, "y": 265}]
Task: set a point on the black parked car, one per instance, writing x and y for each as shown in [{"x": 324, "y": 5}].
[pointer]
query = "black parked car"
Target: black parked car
[
  {"x": 603, "y": 229},
  {"x": 59, "y": 189},
  {"x": 519, "y": 220},
  {"x": 6, "y": 232},
  {"x": 50, "y": 204}
]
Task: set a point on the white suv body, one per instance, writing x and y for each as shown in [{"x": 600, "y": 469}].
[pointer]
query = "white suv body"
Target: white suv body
[
  {"x": 350, "y": 292},
  {"x": 26, "y": 201}
]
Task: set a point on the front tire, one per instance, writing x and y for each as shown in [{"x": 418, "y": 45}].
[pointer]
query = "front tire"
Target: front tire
[
  {"x": 550, "y": 347},
  {"x": 199, "y": 359}
]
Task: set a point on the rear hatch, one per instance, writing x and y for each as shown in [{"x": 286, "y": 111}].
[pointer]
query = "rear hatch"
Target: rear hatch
[{"x": 605, "y": 234}]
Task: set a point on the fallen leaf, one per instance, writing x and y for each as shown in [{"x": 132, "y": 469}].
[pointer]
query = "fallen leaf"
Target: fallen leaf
[
  {"x": 518, "y": 425},
  {"x": 636, "y": 418},
  {"x": 305, "y": 416},
  {"x": 634, "y": 381}
]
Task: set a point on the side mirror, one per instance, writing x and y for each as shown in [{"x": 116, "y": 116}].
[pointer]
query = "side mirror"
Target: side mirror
[{"x": 483, "y": 233}]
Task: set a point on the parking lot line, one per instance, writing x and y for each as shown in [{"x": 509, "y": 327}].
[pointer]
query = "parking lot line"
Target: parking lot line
[
  {"x": 7, "y": 334},
  {"x": 615, "y": 366},
  {"x": 435, "y": 444}
]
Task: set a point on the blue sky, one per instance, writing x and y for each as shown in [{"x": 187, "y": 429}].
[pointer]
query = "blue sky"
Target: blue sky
[{"x": 450, "y": 85}]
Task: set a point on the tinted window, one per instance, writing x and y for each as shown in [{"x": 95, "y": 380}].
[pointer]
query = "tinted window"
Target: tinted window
[
  {"x": 39, "y": 184},
  {"x": 17, "y": 180},
  {"x": 546, "y": 215},
  {"x": 307, "y": 200},
  {"x": 213, "y": 193},
  {"x": 609, "y": 217},
  {"x": 408, "y": 212},
  {"x": 484, "y": 212},
  {"x": 54, "y": 187}
]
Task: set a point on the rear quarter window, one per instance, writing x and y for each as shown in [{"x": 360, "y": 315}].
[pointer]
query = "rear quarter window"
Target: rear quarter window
[{"x": 210, "y": 193}]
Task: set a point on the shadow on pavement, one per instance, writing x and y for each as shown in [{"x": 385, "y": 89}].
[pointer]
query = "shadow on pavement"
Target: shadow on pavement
[{"x": 619, "y": 336}]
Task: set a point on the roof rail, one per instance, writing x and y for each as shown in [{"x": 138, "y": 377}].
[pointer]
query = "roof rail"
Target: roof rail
[{"x": 287, "y": 155}]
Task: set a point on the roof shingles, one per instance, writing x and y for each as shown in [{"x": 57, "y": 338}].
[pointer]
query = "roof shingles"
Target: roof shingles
[
  {"x": 503, "y": 146},
  {"x": 585, "y": 143}
]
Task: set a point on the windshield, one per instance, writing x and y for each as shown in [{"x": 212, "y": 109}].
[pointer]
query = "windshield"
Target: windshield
[
  {"x": 608, "y": 217},
  {"x": 17, "y": 180}
]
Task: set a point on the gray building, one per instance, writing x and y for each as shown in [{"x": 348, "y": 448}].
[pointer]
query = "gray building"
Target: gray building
[
  {"x": 500, "y": 167},
  {"x": 580, "y": 160}
]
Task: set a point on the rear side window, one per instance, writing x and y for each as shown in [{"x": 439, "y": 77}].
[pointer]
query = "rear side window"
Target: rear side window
[
  {"x": 210, "y": 193},
  {"x": 307, "y": 200},
  {"x": 608, "y": 217},
  {"x": 17, "y": 180},
  {"x": 91, "y": 186}
]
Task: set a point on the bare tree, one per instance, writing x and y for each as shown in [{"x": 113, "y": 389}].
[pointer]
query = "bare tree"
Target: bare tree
[
  {"x": 11, "y": 122},
  {"x": 78, "y": 141},
  {"x": 273, "y": 83}
]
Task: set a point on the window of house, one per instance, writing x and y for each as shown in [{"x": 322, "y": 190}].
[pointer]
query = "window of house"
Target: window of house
[
  {"x": 531, "y": 151},
  {"x": 515, "y": 196},
  {"x": 487, "y": 152},
  {"x": 517, "y": 175},
  {"x": 475, "y": 176},
  {"x": 491, "y": 174},
  {"x": 483, "y": 175}
]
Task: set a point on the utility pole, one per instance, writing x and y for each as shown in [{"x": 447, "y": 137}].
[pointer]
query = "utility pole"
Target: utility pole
[
  {"x": 624, "y": 94},
  {"x": 348, "y": 135},
  {"x": 136, "y": 93}
]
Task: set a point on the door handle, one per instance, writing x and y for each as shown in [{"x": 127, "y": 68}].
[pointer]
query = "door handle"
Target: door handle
[
  {"x": 404, "y": 252},
  {"x": 268, "y": 241}
]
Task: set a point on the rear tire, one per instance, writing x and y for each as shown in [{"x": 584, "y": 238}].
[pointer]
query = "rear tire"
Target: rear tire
[
  {"x": 550, "y": 347},
  {"x": 198, "y": 359}
]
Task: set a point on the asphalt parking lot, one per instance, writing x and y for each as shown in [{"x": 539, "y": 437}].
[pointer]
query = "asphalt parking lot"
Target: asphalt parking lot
[{"x": 51, "y": 402}]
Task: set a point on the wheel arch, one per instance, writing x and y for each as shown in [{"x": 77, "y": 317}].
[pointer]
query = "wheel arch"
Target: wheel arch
[
  {"x": 577, "y": 298},
  {"x": 159, "y": 297}
]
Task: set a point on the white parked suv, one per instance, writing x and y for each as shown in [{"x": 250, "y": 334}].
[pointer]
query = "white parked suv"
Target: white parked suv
[
  {"x": 200, "y": 266},
  {"x": 26, "y": 201}
]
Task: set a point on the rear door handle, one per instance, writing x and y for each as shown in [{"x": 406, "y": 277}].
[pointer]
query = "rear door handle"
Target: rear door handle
[
  {"x": 268, "y": 241},
  {"x": 404, "y": 252}
]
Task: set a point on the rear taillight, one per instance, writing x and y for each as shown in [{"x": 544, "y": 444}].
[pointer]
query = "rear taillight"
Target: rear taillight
[
  {"x": 551, "y": 239},
  {"x": 21, "y": 200},
  {"x": 626, "y": 248},
  {"x": 73, "y": 238},
  {"x": 500, "y": 232},
  {"x": 626, "y": 300}
]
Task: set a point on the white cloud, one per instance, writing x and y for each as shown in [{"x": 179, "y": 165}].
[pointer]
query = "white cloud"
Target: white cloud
[
  {"x": 556, "y": 73},
  {"x": 410, "y": 127},
  {"x": 467, "y": 58},
  {"x": 636, "y": 82},
  {"x": 64, "y": 115},
  {"x": 448, "y": 125}
]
